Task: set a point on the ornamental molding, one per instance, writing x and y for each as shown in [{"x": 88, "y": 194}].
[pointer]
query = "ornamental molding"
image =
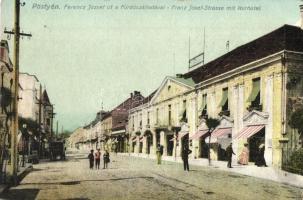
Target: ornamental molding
[
  {"x": 226, "y": 122},
  {"x": 184, "y": 127},
  {"x": 202, "y": 125},
  {"x": 255, "y": 118}
]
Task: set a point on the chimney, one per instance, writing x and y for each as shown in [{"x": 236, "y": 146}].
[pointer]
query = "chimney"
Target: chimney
[
  {"x": 136, "y": 93},
  {"x": 131, "y": 95},
  {"x": 179, "y": 75},
  {"x": 301, "y": 11}
]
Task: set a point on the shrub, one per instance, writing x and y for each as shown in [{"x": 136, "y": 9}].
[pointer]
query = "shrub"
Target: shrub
[{"x": 295, "y": 164}]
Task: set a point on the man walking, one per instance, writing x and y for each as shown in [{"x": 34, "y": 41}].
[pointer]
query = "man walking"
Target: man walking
[
  {"x": 91, "y": 159},
  {"x": 185, "y": 152},
  {"x": 159, "y": 154},
  {"x": 229, "y": 153},
  {"x": 97, "y": 159}
]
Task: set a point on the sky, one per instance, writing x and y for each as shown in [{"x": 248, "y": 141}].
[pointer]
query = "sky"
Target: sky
[{"x": 84, "y": 57}]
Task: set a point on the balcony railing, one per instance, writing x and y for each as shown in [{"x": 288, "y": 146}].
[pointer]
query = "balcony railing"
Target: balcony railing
[
  {"x": 225, "y": 113},
  {"x": 255, "y": 107}
]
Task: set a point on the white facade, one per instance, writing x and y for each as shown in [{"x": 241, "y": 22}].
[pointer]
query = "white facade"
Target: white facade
[{"x": 28, "y": 106}]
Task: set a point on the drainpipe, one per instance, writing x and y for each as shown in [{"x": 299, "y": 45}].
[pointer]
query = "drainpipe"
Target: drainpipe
[{"x": 284, "y": 96}]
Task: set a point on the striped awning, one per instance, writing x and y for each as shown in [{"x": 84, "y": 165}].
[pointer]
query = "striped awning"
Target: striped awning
[
  {"x": 198, "y": 134},
  {"x": 249, "y": 131},
  {"x": 221, "y": 132},
  {"x": 141, "y": 139},
  {"x": 134, "y": 139},
  {"x": 182, "y": 134}
]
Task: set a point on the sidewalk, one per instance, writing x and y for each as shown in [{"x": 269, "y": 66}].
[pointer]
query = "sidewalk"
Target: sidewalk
[
  {"x": 23, "y": 171},
  {"x": 268, "y": 173}
]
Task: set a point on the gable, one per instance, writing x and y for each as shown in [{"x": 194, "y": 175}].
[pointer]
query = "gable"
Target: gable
[
  {"x": 169, "y": 89},
  {"x": 255, "y": 118}
]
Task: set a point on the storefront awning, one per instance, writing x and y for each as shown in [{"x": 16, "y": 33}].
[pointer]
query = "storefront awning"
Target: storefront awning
[
  {"x": 134, "y": 139},
  {"x": 141, "y": 139},
  {"x": 217, "y": 134},
  {"x": 198, "y": 134},
  {"x": 220, "y": 132},
  {"x": 249, "y": 131},
  {"x": 182, "y": 134}
]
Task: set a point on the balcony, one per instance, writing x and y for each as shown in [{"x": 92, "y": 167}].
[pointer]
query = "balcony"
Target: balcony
[
  {"x": 255, "y": 107},
  {"x": 225, "y": 113}
]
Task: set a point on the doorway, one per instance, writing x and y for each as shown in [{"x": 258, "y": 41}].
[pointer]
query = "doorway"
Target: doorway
[{"x": 254, "y": 142}]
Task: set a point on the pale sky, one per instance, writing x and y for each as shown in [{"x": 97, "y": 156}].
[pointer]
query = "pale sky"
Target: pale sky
[{"x": 84, "y": 57}]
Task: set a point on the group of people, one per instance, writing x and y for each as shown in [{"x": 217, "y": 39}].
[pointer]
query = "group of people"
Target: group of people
[
  {"x": 259, "y": 159},
  {"x": 95, "y": 159},
  {"x": 243, "y": 157}
]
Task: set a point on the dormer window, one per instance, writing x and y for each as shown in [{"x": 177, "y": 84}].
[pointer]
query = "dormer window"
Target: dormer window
[{"x": 168, "y": 88}]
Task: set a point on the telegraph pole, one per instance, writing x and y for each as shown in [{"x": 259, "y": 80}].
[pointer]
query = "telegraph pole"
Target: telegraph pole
[
  {"x": 39, "y": 121},
  {"x": 15, "y": 128}
]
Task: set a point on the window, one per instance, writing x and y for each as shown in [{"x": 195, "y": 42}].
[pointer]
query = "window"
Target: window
[
  {"x": 254, "y": 96},
  {"x": 169, "y": 115},
  {"x": 48, "y": 122},
  {"x": 168, "y": 88},
  {"x": 224, "y": 101},
  {"x": 184, "y": 115},
  {"x": 148, "y": 120},
  {"x": 203, "y": 109}
]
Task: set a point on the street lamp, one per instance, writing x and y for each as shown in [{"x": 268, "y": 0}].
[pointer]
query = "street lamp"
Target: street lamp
[{"x": 24, "y": 126}]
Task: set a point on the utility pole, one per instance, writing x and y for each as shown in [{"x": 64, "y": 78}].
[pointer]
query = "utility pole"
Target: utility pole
[
  {"x": 15, "y": 128},
  {"x": 52, "y": 121},
  {"x": 39, "y": 121},
  {"x": 57, "y": 125}
]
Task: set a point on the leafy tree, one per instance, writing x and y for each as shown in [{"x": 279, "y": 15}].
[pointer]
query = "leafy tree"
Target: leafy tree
[
  {"x": 296, "y": 121},
  {"x": 211, "y": 124}
]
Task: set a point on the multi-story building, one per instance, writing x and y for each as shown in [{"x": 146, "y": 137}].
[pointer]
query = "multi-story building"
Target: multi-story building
[
  {"x": 28, "y": 106},
  {"x": 6, "y": 69},
  {"x": 247, "y": 90},
  {"x": 250, "y": 90}
]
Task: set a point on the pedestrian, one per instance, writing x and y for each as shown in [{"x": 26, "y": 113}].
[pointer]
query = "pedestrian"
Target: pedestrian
[
  {"x": 243, "y": 158},
  {"x": 185, "y": 152},
  {"x": 229, "y": 153},
  {"x": 91, "y": 159},
  {"x": 159, "y": 154},
  {"x": 106, "y": 159},
  {"x": 97, "y": 159},
  {"x": 260, "y": 159}
]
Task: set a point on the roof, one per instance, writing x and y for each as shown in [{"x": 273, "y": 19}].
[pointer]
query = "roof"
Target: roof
[
  {"x": 286, "y": 37},
  {"x": 149, "y": 97},
  {"x": 186, "y": 81},
  {"x": 45, "y": 98}
]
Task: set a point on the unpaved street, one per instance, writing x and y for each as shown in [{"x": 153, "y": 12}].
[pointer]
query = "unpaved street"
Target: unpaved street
[{"x": 136, "y": 178}]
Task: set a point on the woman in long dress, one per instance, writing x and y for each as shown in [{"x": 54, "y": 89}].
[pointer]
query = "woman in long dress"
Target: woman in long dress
[{"x": 243, "y": 158}]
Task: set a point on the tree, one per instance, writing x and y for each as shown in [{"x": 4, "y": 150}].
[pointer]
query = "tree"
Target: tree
[
  {"x": 296, "y": 121},
  {"x": 211, "y": 124}
]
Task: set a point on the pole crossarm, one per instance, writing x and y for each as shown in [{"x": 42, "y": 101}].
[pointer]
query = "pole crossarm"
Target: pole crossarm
[{"x": 12, "y": 32}]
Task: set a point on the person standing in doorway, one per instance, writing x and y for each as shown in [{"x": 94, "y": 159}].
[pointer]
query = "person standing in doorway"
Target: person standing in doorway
[
  {"x": 106, "y": 159},
  {"x": 229, "y": 153},
  {"x": 97, "y": 159},
  {"x": 185, "y": 152},
  {"x": 91, "y": 159},
  {"x": 260, "y": 160}
]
